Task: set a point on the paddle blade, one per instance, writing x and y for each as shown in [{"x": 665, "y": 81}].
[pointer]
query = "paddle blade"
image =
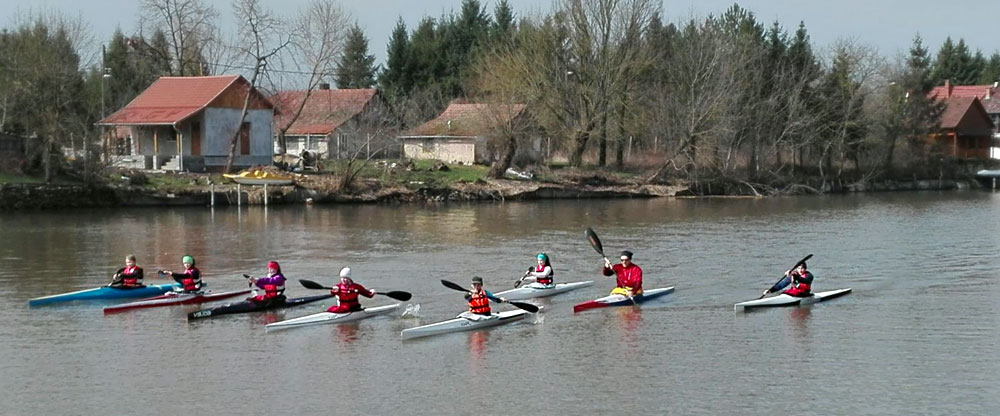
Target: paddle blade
[
  {"x": 309, "y": 284},
  {"x": 398, "y": 295},
  {"x": 452, "y": 285},
  {"x": 804, "y": 259},
  {"x": 526, "y": 306},
  {"x": 594, "y": 241}
]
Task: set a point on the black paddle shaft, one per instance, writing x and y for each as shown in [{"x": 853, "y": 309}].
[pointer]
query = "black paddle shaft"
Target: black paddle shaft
[{"x": 522, "y": 305}]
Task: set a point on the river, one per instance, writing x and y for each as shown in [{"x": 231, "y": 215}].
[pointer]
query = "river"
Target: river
[{"x": 917, "y": 336}]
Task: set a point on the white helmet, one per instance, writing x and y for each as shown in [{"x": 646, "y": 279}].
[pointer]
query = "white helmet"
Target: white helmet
[{"x": 345, "y": 272}]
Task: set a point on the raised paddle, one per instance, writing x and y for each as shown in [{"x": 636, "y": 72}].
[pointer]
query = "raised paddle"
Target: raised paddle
[
  {"x": 526, "y": 306},
  {"x": 599, "y": 248},
  {"x": 774, "y": 287},
  {"x": 395, "y": 294}
]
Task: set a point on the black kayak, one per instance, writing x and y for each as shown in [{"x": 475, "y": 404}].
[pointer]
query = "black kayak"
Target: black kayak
[{"x": 251, "y": 306}]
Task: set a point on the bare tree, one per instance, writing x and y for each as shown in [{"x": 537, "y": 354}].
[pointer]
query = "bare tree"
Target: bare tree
[
  {"x": 317, "y": 42},
  {"x": 264, "y": 32},
  {"x": 190, "y": 27}
]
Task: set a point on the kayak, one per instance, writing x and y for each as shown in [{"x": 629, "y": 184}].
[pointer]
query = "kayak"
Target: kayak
[
  {"x": 104, "y": 292},
  {"x": 332, "y": 318},
  {"x": 786, "y": 300},
  {"x": 535, "y": 290},
  {"x": 622, "y": 300},
  {"x": 174, "y": 298},
  {"x": 251, "y": 306},
  {"x": 463, "y": 324}
]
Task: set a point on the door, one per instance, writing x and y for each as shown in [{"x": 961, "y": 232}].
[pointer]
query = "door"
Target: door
[
  {"x": 245, "y": 139},
  {"x": 196, "y": 139}
]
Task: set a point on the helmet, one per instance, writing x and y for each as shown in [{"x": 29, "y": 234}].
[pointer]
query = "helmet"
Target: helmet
[
  {"x": 543, "y": 257},
  {"x": 477, "y": 279},
  {"x": 345, "y": 272},
  {"x": 187, "y": 259},
  {"x": 627, "y": 253},
  {"x": 273, "y": 265}
]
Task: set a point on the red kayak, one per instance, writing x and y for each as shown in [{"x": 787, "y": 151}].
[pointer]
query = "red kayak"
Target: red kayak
[
  {"x": 622, "y": 300},
  {"x": 174, "y": 298}
]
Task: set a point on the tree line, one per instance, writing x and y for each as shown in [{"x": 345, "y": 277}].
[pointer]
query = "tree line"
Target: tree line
[{"x": 611, "y": 83}]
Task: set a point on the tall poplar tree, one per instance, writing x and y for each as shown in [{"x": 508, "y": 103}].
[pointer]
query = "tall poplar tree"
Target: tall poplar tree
[{"x": 356, "y": 68}]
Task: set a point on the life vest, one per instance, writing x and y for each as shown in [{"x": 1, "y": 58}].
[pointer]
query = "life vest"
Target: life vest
[
  {"x": 479, "y": 304},
  {"x": 803, "y": 284},
  {"x": 130, "y": 277},
  {"x": 547, "y": 279},
  {"x": 348, "y": 295},
  {"x": 272, "y": 291},
  {"x": 191, "y": 280}
]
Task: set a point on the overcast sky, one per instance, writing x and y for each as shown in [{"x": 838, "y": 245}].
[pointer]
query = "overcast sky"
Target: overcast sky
[{"x": 888, "y": 25}]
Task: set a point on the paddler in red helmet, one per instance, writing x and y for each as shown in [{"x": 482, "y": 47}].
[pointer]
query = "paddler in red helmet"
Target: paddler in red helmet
[
  {"x": 347, "y": 293},
  {"x": 273, "y": 284},
  {"x": 629, "y": 282}
]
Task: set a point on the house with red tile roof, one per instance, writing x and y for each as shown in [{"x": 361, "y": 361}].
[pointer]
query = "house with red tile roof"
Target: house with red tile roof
[
  {"x": 988, "y": 94},
  {"x": 462, "y": 132},
  {"x": 187, "y": 123},
  {"x": 331, "y": 123},
  {"x": 966, "y": 131}
]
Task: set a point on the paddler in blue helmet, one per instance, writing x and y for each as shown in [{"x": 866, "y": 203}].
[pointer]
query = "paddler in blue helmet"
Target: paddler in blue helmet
[
  {"x": 190, "y": 279},
  {"x": 540, "y": 273}
]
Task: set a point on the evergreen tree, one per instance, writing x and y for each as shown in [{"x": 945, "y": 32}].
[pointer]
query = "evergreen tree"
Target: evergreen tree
[
  {"x": 991, "y": 70},
  {"x": 395, "y": 78},
  {"x": 503, "y": 27},
  {"x": 424, "y": 62},
  {"x": 356, "y": 68}
]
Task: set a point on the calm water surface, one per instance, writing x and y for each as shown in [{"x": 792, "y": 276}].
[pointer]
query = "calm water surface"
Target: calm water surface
[{"x": 917, "y": 336}]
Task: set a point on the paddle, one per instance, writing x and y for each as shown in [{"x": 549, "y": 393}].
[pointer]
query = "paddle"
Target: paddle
[
  {"x": 517, "y": 284},
  {"x": 526, "y": 306},
  {"x": 599, "y": 248},
  {"x": 774, "y": 287},
  {"x": 395, "y": 294}
]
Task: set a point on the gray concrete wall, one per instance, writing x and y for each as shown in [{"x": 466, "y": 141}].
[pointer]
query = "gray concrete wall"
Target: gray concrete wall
[{"x": 220, "y": 123}]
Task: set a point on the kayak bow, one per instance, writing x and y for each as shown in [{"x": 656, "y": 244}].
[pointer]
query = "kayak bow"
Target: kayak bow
[
  {"x": 104, "y": 292},
  {"x": 622, "y": 300},
  {"x": 174, "y": 298},
  {"x": 332, "y": 318},
  {"x": 786, "y": 300},
  {"x": 535, "y": 290}
]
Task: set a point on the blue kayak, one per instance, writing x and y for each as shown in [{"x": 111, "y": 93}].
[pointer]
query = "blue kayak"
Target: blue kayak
[
  {"x": 105, "y": 292},
  {"x": 622, "y": 300}
]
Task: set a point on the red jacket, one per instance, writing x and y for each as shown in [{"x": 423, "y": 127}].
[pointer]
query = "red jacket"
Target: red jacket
[{"x": 628, "y": 277}]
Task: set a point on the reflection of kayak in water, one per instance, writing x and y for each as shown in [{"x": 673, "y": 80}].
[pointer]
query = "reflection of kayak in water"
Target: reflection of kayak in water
[
  {"x": 787, "y": 300},
  {"x": 260, "y": 177}
]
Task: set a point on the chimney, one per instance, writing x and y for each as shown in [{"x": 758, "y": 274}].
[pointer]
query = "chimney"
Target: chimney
[
  {"x": 947, "y": 87},
  {"x": 324, "y": 85}
]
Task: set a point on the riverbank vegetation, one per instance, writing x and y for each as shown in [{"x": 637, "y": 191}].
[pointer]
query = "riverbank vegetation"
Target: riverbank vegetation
[{"x": 615, "y": 86}]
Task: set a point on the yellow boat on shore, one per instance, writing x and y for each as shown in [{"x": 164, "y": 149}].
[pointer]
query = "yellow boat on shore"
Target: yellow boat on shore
[{"x": 260, "y": 177}]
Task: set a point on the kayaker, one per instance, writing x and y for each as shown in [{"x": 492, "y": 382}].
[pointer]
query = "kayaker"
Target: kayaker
[
  {"x": 479, "y": 299},
  {"x": 801, "y": 281},
  {"x": 273, "y": 284},
  {"x": 629, "y": 275},
  {"x": 128, "y": 277},
  {"x": 541, "y": 273},
  {"x": 190, "y": 279},
  {"x": 347, "y": 292}
]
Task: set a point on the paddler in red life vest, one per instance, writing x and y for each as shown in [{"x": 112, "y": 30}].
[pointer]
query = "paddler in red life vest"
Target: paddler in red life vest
[
  {"x": 128, "y": 277},
  {"x": 479, "y": 299},
  {"x": 541, "y": 273},
  {"x": 190, "y": 279},
  {"x": 801, "y": 280},
  {"x": 273, "y": 285},
  {"x": 629, "y": 275},
  {"x": 347, "y": 292}
]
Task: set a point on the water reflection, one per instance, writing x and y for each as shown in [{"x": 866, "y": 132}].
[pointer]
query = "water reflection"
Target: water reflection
[
  {"x": 477, "y": 349},
  {"x": 798, "y": 319}
]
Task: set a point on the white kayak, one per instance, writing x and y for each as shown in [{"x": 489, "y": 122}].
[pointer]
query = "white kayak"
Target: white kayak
[
  {"x": 537, "y": 290},
  {"x": 332, "y": 318},
  {"x": 464, "y": 322},
  {"x": 786, "y": 300}
]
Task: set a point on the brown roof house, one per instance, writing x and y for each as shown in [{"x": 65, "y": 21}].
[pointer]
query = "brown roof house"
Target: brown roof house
[
  {"x": 965, "y": 129},
  {"x": 331, "y": 124},
  {"x": 462, "y": 132},
  {"x": 186, "y": 123}
]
